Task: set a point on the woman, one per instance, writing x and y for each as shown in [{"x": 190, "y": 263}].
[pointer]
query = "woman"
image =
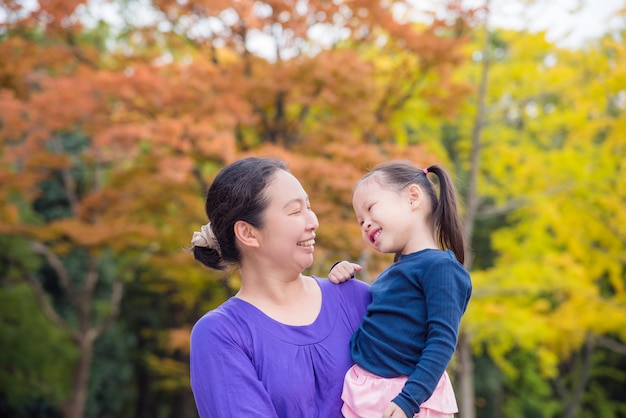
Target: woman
[{"x": 280, "y": 347}]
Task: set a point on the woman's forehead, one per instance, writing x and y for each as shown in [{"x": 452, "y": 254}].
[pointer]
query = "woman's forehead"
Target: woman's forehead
[{"x": 285, "y": 187}]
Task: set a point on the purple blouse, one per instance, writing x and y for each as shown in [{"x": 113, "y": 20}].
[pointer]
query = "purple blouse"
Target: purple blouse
[{"x": 245, "y": 364}]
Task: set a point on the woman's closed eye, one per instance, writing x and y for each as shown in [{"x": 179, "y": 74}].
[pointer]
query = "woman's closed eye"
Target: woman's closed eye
[{"x": 296, "y": 210}]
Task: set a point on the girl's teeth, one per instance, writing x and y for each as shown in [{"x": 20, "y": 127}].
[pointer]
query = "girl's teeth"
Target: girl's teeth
[{"x": 306, "y": 243}]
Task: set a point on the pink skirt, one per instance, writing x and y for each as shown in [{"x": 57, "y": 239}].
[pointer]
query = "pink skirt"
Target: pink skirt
[{"x": 366, "y": 395}]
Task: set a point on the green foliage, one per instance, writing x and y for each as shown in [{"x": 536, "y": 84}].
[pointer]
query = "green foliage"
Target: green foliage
[
  {"x": 529, "y": 394},
  {"x": 604, "y": 396},
  {"x": 16, "y": 259},
  {"x": 111, "y": 392},
  {"x": 488, "y": 387},
  {"x": 37, "y": 358}
]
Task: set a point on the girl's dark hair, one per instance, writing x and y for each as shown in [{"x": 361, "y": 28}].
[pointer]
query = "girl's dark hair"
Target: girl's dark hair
[
  {"x": 236, "y": 194},
  {"x": 444, "y": 214}
]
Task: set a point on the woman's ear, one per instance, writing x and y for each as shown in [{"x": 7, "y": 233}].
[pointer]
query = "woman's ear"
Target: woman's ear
[{"x": 245, "y": 234}]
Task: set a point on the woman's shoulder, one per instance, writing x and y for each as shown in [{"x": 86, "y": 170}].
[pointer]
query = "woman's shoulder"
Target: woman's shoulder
[
  {"x": 354, "y": 291},
  {"x": 352, "y": 285},
  {"x": 345, "y": 301},
  {"x": 224, "y": 319}
]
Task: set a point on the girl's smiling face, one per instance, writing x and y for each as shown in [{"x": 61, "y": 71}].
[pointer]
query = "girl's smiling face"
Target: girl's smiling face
[
  {"x": 385, "y": 216},
  {"x": 393, "y": 221}
]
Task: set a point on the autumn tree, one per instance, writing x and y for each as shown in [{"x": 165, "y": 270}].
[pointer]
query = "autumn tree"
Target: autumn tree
[{"x": 322, "y": 96}]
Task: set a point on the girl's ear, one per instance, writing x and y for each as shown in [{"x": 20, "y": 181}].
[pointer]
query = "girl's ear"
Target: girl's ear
[
  {"x": 416, "y": 195},
  {"x": 245, "y": 234}
]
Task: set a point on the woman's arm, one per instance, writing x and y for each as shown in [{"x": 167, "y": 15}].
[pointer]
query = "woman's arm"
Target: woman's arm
[{"x": 223, "y": 378}]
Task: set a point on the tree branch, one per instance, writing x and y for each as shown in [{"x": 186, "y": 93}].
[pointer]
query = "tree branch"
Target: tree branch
[
  {"x": 47, "y": 309},
  {"x": 91, "y": 277},
  {"x": 68, "y": 181},
  {"x": 610, "y": 344},
  {"x": 116, "y": 300},
  {"x": 57, "y": 266},
  {"x": 513, "y": 204},
  {"x": 587, "y": 360},
  {"x": 117, "y": 293}
]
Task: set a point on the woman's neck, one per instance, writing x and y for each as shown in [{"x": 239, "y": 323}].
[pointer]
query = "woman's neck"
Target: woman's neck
[{"x": 295, "y": 301}]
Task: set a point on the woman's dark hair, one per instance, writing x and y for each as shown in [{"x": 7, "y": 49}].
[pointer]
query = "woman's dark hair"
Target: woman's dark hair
[
  {"x": 444, "y": 215},
  {"x": 236, "y": 194}
]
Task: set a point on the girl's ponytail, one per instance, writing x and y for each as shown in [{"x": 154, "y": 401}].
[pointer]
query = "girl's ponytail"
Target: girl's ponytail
[{"x": 448, "y": 225}]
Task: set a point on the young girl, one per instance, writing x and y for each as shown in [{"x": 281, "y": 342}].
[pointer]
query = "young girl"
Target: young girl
[{"x": 409, "y": 333}]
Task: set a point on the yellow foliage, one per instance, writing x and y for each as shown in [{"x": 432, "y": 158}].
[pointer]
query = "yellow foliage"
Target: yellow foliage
[{"x": 553, "y": 160}]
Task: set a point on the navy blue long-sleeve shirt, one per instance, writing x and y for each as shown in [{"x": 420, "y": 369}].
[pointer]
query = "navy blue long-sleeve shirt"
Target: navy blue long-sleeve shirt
[{"x": 411, "y": 327}]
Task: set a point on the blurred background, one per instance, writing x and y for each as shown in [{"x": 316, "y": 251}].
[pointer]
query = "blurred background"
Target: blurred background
[{"x": 116, "y": 115}]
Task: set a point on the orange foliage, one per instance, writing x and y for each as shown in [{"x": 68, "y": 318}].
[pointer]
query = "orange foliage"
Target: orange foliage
[
  {"x": 111, "y": 234},
  {"x": 149, "y": 124}
]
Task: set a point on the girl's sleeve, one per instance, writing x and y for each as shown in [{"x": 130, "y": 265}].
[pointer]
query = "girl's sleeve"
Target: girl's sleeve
[{"x": 223, "y": 378}]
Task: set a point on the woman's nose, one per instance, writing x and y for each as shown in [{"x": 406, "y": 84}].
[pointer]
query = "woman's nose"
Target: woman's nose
[{"x": 313, "y": 221}]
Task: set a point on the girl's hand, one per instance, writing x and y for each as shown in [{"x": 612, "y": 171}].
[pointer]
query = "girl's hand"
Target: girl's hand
[
  {"x": 342, "y": 271},
  {"x": 394, "y": 411}
]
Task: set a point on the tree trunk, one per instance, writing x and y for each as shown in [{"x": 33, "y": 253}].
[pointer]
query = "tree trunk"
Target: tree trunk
[
  {"x": 144, "y": 405},
  {"x": 81, "y": 300},
  {"x": 467, "y": 399},
  {"x": 183, "y": 405},
  {"x": 580, "y": 366},
  {"x": 466, "y": 378},
  {"x": 75, "y": 407}
]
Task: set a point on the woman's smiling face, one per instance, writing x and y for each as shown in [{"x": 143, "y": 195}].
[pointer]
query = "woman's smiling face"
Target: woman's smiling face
[{"x": 288, "y": 233}]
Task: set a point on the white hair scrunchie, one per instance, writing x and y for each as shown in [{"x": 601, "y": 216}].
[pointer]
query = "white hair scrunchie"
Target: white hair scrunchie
[{"x": 205, "y": 238}]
